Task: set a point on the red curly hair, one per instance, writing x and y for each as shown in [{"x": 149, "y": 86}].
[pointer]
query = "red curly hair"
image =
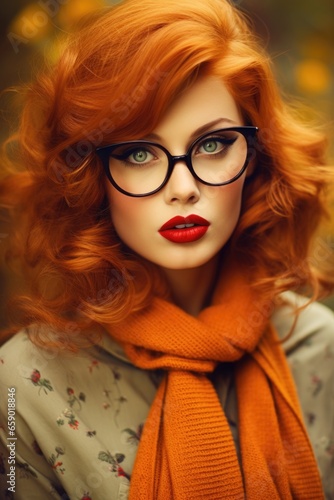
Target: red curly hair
[{"x": 115, "y": 79}]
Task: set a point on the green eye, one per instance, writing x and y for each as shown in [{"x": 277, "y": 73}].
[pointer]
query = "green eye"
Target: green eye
[
  {"x": 209, "y": 146},
  {"x": 139, "y": 156}
]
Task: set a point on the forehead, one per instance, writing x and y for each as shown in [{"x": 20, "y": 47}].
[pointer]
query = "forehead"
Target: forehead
[{"x": 207, "y": 100}]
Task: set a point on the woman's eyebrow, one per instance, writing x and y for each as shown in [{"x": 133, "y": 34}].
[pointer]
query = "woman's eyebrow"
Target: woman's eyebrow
[{"x": 199, "y": 131}]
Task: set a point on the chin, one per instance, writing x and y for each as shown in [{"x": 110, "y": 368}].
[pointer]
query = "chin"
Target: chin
[{"x": 188, "y": 264}]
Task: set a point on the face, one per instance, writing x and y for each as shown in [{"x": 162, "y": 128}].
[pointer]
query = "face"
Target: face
[{"x": 147, "y": 225}]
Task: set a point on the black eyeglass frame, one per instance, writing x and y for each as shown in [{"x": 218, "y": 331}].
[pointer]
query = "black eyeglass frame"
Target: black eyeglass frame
[{"x": 249, "y": 133}]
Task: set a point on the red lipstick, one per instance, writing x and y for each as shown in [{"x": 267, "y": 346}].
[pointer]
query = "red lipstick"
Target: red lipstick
[{"x": 184, "y": 229}]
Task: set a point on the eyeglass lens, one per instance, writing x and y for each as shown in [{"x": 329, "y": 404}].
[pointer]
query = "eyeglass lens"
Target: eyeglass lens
[{"x": 140, "y": 167}]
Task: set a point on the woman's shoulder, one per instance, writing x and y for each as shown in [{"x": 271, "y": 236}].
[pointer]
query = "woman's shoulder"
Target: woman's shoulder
[
  {"x": 15, "y": 354},
  {"x": 313, "y": 323},
  {"x": 307, "y": 337},
  {"x": 310, "y": 353},
  {"x": 19, "y": 356},
  {"x": 93, "y": 400},
  {"x": 23, "y": 359}
]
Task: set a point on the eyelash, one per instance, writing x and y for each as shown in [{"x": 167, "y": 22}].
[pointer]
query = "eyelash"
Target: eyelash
[
  {"x": 132, "y": 152},
  {"x": 225, "y": 142}
]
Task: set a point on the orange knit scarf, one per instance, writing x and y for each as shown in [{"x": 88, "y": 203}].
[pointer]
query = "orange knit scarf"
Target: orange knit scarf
[{"x": 187, "y": 450}]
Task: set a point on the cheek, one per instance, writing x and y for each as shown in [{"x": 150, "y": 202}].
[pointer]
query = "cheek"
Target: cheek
[
  {"x": 129, "y": 216},
  {"x": 122, "y": 210},
  {"x": 127, "y": 223},
  {"x": 227, "y": 199},
  {"x": 227, "y": 210},
  {"x": 119, "y": 207}
]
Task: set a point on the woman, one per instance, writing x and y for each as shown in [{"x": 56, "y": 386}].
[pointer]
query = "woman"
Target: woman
[{"x": 165, "y": 214}]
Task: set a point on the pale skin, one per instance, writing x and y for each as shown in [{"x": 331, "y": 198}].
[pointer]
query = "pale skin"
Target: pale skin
[{"x": 190, "y": 268}]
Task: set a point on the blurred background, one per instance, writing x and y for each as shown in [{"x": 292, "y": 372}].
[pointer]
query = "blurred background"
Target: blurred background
[{"x": 298, "y": 34}]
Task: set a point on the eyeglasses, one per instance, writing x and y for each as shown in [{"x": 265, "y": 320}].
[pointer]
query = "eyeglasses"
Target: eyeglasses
[{"x": 142, "y": 168}]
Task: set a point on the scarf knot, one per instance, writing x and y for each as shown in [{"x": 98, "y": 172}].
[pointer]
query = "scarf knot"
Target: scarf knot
[
  {"x": 152, "y": 360},
  {"x": 186, "y": 450}
]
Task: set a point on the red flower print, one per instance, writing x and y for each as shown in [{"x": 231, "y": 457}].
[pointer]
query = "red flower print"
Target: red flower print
[
  {"x": 120, "y": 472},
  {"x": 56, "y": 464},
  {"x": 35, "y": 377},
  {"x": 74, "y": 425},
  {"x": 42, "y": 383},
  {"x": 114, "y": 461},
  {"x": 73, "y": 400},
  {"x": 86, "y": 497},
  {"x": 71, "y": 420}
]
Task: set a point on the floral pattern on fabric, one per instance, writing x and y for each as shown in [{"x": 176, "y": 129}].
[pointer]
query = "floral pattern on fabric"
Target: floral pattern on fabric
[
  {"x": 134, "y": 436},
  {"x": 114, "y": 461},
  {"x": 90, "y": 433},
  {"x": 69, "y": 415},
  {"x": 42, "y": 383},
  {"x": 316, "y": 384},
  {"x": 73, "y": 400},
  {"x": 86, "y": 496},
  {"x": 114, "y": 399},
  {"x": 94, "y": 364},
  {"x": 54, "y": 461}
]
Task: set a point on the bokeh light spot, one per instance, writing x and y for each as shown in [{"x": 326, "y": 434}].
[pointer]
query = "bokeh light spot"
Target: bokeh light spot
[{"x": 313, "y": 76}]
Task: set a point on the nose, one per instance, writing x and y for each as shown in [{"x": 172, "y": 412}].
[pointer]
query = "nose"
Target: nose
[{"x": 182, "y": 187}]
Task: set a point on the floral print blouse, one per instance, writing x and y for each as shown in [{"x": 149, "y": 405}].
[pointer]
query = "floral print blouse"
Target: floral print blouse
[{"x": 78, "y": 418}]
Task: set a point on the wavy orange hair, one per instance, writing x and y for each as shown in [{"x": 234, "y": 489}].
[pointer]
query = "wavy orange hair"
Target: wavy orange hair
[{"x": 115, "y": 79}]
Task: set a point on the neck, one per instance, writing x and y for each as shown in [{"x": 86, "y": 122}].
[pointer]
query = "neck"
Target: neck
[{"x": 191, "y": 289}]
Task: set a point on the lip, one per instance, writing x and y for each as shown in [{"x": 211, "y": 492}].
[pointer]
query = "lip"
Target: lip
[{"x": 187, "y": 234}]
